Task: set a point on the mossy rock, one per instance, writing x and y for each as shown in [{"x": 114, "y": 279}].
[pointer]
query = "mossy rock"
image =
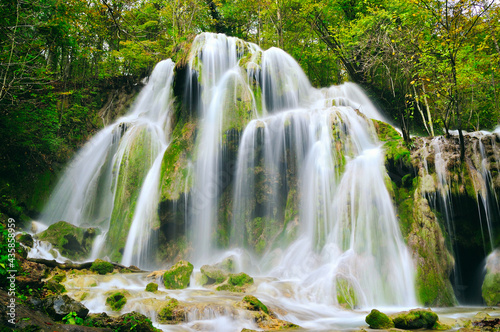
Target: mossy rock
[
  {"x": 116, "y": 301},
  {"x": 252, "y": 303},
  {"x": 178, "y": 276},
  {"x": 131, "y": 321},
  {"x": 214, "y": 274},
  {"x": 152, "y": 287},
  {"x": 55, "y": 287},
  {"x": 491, "y": 283},
  {"x": 172, "y": 313},
  {"x": 25, "y": 239},
  {"x": 240, "y": 279},
  {"x": 379, "y": 320},
  {"x": 71, "y": 241},
  {"x": 415, "y": 319},
  {"x": 101, "y": 267},
  {"x": 491, "y": 289}
]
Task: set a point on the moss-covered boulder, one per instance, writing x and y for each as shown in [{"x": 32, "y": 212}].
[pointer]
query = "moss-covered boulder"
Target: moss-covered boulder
[
  {"x": 236, "y": 283},
  {"x": 101, "y": 267},
  {"x": 131, "y": 321},
  {"x": 178, "y": 276},
  {"x": 252, "y": 303},
  {"x": 117, "y": 300},
  {"x": 25, "y": 239},
  {"x": 491, "y": 283},
  {"x": 415, "y": 319},
  {"x": 213, "y": 274},
  {"x": 152, "y": 287},
  {"x": 378, "y": 320},
  {"x": 264, "y": 317},
  {"x": 71, "y": 241},
  {"x": 172, "y": 313}
]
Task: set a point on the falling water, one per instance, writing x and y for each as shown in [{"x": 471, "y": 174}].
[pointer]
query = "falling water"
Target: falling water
[
  {"x": 309, "y": 202},
  {"x": 99, "y": 186},
  {"x": 305, "y": 149}
]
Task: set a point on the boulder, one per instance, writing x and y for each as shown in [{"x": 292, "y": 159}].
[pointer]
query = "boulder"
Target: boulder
[
  {"x": 263, "y": 317},
  {"x": 236, "y": 283},
  {"x": 415, "y": 319},
  {"x": 116, "y": 300},
  {"x": 178, "y": 276},
  {"x": 151, "y": 287},
  {"x": 491, "y": 283},
  {"x": 59, "y": 306},
  {"x": 71, "y": 241},
  {"x": 101, "y": 267},
  {"x": 378, "y": 320},
  {"x": 172, "y": 313}
]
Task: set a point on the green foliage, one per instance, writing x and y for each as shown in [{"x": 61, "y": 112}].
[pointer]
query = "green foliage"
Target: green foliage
[
  {"x": 73, "y": 319},
  {"x": 8, "y": 262},
  {"x": 101, "y": 267}
]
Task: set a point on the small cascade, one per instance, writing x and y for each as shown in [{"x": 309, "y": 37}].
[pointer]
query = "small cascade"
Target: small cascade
[
  {"x": 486, "y": 196},
  {"x": 101, "y": 185}
]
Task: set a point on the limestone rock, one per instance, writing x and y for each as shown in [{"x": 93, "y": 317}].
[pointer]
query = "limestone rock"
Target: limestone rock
[
  {"x": 72, "y": 241},
  {"x": 177, "y": 277},
  {"x": 378, "y": 320},
  {"x": 60, "y": 305}
]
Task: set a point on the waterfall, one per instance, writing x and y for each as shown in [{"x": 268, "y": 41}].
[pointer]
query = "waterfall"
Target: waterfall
[
  {"x": 305, "y": 201},
  {"x": 101, "y": 185}
]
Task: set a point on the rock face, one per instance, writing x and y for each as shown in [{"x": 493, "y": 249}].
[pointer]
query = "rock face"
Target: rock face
[
  {"x": 491, "y": 284},
  {"x": 60, "y": 305},
  {"x": 72, "y": 241},
  {"x": 177, "y": 277},
  {"x": 378, "y": 320}
]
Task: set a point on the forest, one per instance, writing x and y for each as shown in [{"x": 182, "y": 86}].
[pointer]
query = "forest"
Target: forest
[{"x": 432, "y": 65}]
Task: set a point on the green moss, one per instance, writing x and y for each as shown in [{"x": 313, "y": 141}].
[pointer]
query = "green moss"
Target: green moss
[
  {"x": 178, "y": 276},
  {"x": 175, "y": 165},
  {"x": 378, "y": 320},
  {"x": 254, "y": 304},
  {"x": 172, "y": 312},
  {"x": 240, "y": 279},
  {"x": 116, "y": 301},
  {"x": 72, "y": 241},
  {"x": 491, "y": 289},
  {"x": 214, "y": 274},
  {"x": 101, "y": 267},
  {"x": 55, "y": 287},
  {"x": 151, "y": 287},
  {"x": 415, "y": 319},
  {"x": 132, "y": 170},
  {"x": 346, "y": 296}
]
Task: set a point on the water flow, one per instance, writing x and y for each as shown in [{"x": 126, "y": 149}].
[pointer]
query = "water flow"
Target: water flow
[{"x": 94, "y": 183}]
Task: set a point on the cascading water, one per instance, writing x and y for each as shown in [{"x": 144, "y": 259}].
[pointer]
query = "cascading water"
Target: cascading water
[
  {"x": 303, "y": 152},
  {"x": 304, "y": 204},
  {"x": 112, "y": 183}
]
